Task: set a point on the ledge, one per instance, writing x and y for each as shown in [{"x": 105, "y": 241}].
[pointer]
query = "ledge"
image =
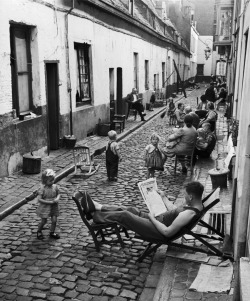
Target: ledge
[{"x": 244, "y": 278}]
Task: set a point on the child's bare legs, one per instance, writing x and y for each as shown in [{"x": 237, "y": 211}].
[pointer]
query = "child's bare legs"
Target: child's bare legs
[
  {"x": 53, "y": 224},
  {"x": 53, "y": 227},
  {"x": 40, "y": 228},
  {"x": 42, "y": 224}
]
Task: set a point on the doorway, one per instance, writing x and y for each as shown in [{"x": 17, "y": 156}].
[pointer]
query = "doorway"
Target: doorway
[
  {"x": 52, "y": 105},
  {"x": 120, "y": 105}
]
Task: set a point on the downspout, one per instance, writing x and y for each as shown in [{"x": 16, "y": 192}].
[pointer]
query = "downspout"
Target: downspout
[{"x": 67, "y": 65}]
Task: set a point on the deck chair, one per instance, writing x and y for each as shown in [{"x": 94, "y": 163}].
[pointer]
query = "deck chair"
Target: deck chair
[
  {"x": 84, "y": 161},
  {"x": 99, "y": 231},
  {"x": 208, "y": 202}
]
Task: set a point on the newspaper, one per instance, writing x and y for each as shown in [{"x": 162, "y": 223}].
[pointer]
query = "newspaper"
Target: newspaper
[{"x": 152, "y": 199}]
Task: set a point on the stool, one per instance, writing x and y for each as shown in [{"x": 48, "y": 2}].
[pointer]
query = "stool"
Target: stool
[{"x": 186, "y": 159}]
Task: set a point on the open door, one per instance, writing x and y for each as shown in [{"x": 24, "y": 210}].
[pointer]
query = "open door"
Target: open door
[{"x": 52, "y": 105}]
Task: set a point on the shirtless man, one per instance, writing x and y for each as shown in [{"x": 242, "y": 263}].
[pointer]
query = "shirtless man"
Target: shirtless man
[{"x": 146, "y": 224}]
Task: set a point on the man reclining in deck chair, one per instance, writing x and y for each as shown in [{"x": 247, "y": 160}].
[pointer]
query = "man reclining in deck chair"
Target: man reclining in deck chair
[{"x": 145, "y": 224}]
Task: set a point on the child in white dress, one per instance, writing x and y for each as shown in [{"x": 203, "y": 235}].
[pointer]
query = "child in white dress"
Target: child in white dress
[
  {"x": 154, "y": 157},
  {"x": 48, "y": 197}
]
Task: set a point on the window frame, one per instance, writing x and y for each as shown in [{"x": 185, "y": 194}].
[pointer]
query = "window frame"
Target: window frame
[
  {"x": 85, "y": 47},
  {"x": 14, "y": 69}
]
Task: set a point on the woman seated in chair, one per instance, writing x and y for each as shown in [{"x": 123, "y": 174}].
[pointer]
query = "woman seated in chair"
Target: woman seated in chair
[
  {"x": 182, "y": 141},
  {"x": 146, "y": 224},
  {"x": 211, "y": 116}
]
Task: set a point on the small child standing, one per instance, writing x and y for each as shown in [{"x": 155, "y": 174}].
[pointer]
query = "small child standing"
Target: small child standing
[
  {"x": 48, "y": 197},
  {"x": 201, "y": 143},
  {"x": 171, "y": 107},
  {"x": 154, "y": 157},
  {"x": 113, "y": 156}
]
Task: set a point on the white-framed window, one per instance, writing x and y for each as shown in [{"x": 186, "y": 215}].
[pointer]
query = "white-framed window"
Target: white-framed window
[
  {"x": 21, "y": 70},
  {"x": 83, "y": 86}
]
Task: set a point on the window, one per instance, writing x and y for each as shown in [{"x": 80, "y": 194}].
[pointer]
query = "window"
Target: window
[
  {"x": 163, "y": 74},
  {"x": 136, "y": 70},
  {"x": 21, "y": 68},
  {"x": 146, "y": 75},
  {"x": 83, "y": 93}
]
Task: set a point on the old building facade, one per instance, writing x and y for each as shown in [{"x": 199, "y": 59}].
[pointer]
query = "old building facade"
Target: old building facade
[{"x": 63, "y": 63}]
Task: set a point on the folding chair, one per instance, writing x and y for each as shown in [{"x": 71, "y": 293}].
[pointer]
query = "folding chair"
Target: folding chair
[
  {"x": 208, "y": 202},
  {"x": 98, "y": 231},
  {"x": 187, "y": 159},
  {"x": 84, "y": 161}
]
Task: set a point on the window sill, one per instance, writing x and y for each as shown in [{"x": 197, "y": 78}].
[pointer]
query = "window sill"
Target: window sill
[
  {"x": 84, "y": 107},
  {"x": 17, "y": 121}
]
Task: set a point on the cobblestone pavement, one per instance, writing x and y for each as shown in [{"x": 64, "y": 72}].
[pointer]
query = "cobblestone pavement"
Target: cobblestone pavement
[{"x": 70, "y": 268}]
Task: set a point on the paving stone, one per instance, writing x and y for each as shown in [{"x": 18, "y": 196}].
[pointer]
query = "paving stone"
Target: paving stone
[
  {"x": 128, "y": 294},
  {"x": 193, "y": 295},
  {"x": 84, "y": 297},
  {"x": 57, "y": 290},
  {"x": 112, "y": 291},
  {"x": 38, "y": 295}
]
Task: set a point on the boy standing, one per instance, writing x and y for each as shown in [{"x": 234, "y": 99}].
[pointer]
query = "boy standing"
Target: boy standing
[{"x": 113, "y": 156}]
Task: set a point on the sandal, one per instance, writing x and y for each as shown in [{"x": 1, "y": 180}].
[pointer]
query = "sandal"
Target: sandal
[
  {"x": 54, "y": 235},
  {"x": 39, "y": 235}
]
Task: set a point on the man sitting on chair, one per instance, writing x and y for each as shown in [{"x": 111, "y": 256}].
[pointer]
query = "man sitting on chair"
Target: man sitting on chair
[
  {"x": 146, "y": 224},
  {"x": 133, "y": 99}
]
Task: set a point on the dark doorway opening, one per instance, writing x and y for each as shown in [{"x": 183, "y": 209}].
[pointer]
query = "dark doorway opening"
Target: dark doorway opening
[
  {"x": 52, "y": 105},
  {"x": 120, "y": 105}
]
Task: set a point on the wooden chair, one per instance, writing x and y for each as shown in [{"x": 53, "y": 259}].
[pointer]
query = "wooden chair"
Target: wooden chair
[
  {"x": 208, "y": 202},
  {"x": 118, "y": 120},
  {"x": 84, "y": 161},
  {"x": 99, "y": 231},
  {"x": 187, "y": 159},
  {"x": 131, "y": 111}
]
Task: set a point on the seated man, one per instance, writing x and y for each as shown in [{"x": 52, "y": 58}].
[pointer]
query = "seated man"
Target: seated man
[
  {"x": 145, "y": 224},
  {"x": 210, "y": 140},
  {"x": 196, "y": 119},
  {"x": 133, "y": 99}
]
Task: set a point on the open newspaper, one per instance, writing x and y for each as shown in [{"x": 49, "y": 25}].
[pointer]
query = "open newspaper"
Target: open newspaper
[{"x": 152, "y": 199}]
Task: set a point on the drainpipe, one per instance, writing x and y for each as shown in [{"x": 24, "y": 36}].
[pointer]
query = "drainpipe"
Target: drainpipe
[{"x": 68, "y": 66}]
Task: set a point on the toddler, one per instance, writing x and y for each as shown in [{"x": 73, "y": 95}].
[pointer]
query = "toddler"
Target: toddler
[
  {"x": 171, "y": 107},
  {"x": 201, "y": 143},
  {"x": 48, "y": 197},
  {"x": 113, "y": 156},
  {"x": 154, "y": 157}
]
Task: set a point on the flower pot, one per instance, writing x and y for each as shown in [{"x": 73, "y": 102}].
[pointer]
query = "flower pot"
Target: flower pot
[
  {"x": 103, "y": 129},
  {"x": 31, "y": 164},
  {"x": 218, "y": 177},
  {"x": 69, "y": 141}
]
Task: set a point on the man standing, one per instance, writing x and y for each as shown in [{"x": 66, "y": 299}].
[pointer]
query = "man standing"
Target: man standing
[
  {"x": 210, "y": 93},
  {"x": 134, "y": 101}
]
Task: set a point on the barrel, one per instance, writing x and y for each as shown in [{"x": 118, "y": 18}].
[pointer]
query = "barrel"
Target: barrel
[{"x": 31, "y": 164}]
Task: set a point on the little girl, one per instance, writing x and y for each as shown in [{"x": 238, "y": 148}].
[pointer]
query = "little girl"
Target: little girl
[
  {"x": 201, "y": 143},
  {"x": 154, "y": 157},
  {"x": 171, "y": 107},
  {"x": 48, "y": 197}
]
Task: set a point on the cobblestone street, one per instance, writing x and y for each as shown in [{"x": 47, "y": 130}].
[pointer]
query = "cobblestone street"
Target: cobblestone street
[{"x": 70, "y": 268}]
